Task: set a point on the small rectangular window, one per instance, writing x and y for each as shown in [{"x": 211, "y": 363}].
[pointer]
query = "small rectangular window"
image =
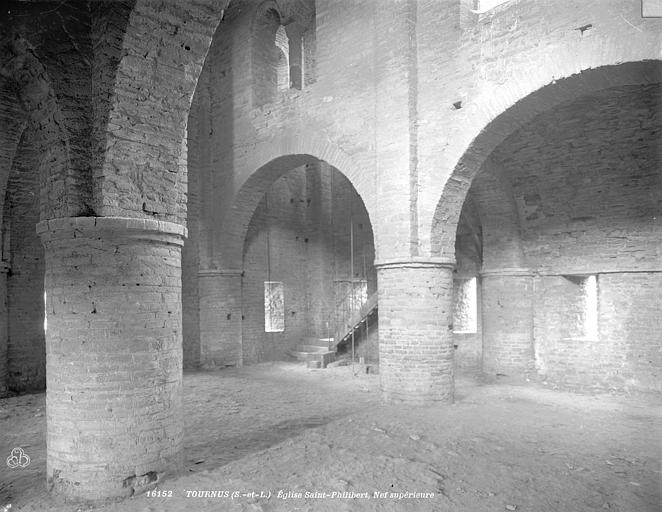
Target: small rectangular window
[
  {"x": 581, "y": 305},
  {"x": 590, "y": 292},
  {"x": 274, "y": 306},
  {"x": 465, "y": 306}
]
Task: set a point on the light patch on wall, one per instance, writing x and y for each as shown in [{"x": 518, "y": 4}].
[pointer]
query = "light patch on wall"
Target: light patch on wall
[
  {"x": 590, "y": 287},
  {"x": 582, "y": 307},
  {"x": 283, "y": 64},
  {"x": 45, "y": 314},
  {"x": 465, "y": 306},
  {"x": 274, "y": 306},
  {"x": 651, "y": 8},
  {"x": 481, "y": 6}
]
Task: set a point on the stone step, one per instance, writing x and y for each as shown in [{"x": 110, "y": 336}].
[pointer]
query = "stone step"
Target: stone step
[{"x": 312, "y": 353}]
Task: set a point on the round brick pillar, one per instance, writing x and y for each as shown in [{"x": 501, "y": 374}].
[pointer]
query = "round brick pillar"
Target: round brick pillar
[
  {"x": 507, "y": 318},
  {"x": 415, "y": 338},
  {"x": 114, "y": 354},
  {"x": 4, "y": 331}
]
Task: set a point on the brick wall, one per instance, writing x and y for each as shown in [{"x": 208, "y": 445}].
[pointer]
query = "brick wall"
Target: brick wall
[
  {"x": 630, "y": 326},
  {"x": 191, "y": 249},
  {"x": 26, "y": 356},
  {"x": 315, "y": 121},
  {"x": 586, "y": 182},
  {"x": 585, "y": 185},
  {"x": 405, "y": 95},
  {"x": 276, "y": 249},
  {"x": 13, "y": 119},
  {"x": 507, "y": 310},
  {"x": 114, "y": 342},
  {"x": 144, "y": 169},
  {"x": 406, "y": 143},
  {"x": 487, "y": 67}
]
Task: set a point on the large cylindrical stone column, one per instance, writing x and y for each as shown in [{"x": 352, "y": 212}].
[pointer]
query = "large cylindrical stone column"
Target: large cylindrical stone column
[
  {"x": 415, "y": 335},
  {"x": 220, "y": 317},
  {"x": 507, "y": 309},
  {"x": 4, "y": 330},
  {"x": 114, "y": 354}
]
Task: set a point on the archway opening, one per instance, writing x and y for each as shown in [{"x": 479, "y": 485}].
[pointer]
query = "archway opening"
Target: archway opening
[
  {"x": 23, "y": 267},
  {"x": 467, "y": 324},
  {"x": 308, "y": 269},
  {"x": 569, "y": 209}
]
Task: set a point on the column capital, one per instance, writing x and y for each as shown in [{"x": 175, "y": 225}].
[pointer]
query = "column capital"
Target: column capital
[
  {"x": 111, "y": 227},
  {"x": 416, "y": 262},
  {"x": 506, "y": 271}
]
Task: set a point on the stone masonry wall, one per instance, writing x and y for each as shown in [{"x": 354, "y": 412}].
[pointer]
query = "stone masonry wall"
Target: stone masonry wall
[
  {"x": 406, "y": 144},
  {"x": 586, "y": 184},
  {"x": 276, "y": 249},
  {"x": 415, "y": 337},
  {"x": 13, "y": 120},
  {"x": 469, "y": 257},
  {"x": 625, "y": 356},
  {"x": 163, "y": 50},
  {"x": 114, "y": 354},
  {"x": 26, "y": 355},
  {"x": 477, "y": 83}
]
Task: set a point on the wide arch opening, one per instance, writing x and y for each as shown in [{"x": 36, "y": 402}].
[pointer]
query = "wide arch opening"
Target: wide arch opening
[
  {"x": 568, "y": 207},
  {"x": 445, "y": 219},
  {"x": 307, "y": 267}
]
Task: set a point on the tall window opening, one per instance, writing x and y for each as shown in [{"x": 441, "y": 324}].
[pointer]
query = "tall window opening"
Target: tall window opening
[
  {"x": 590, "y": 293},
  {"x": 282, "y": 59},
  {"x": 583, "y": 306},
  {"x": 465, "y": 306},
  {"x": 283, "y": 53}
]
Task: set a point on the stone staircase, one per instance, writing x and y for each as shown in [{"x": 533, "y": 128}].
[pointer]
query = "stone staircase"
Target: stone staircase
[
  {"x": 319, "y": 352},
  {"x": 315, "y": 352},
  {"x": 356, "y": 321}
]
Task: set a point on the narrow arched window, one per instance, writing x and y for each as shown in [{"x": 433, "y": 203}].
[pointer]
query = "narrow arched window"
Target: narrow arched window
[
  {"x": 282, "y": 59},
  {"x": 283, "y": 53}
]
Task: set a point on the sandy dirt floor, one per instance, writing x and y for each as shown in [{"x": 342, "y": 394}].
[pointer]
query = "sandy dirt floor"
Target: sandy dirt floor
[{"x": 285, "y": 428}]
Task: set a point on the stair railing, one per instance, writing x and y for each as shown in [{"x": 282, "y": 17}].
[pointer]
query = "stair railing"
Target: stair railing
[
  {"x": 356, "y": 319},
  {"x": 338, "y": 315},
  {"x": 342, "y": 320}
]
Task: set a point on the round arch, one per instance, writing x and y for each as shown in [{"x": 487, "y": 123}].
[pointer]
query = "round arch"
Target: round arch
[
  {"x": 163, "y": 50},
  {"x": 447, "y": 212},
  {"x": 35, "y": 94},
  {"x": 252, "y": 188}
]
